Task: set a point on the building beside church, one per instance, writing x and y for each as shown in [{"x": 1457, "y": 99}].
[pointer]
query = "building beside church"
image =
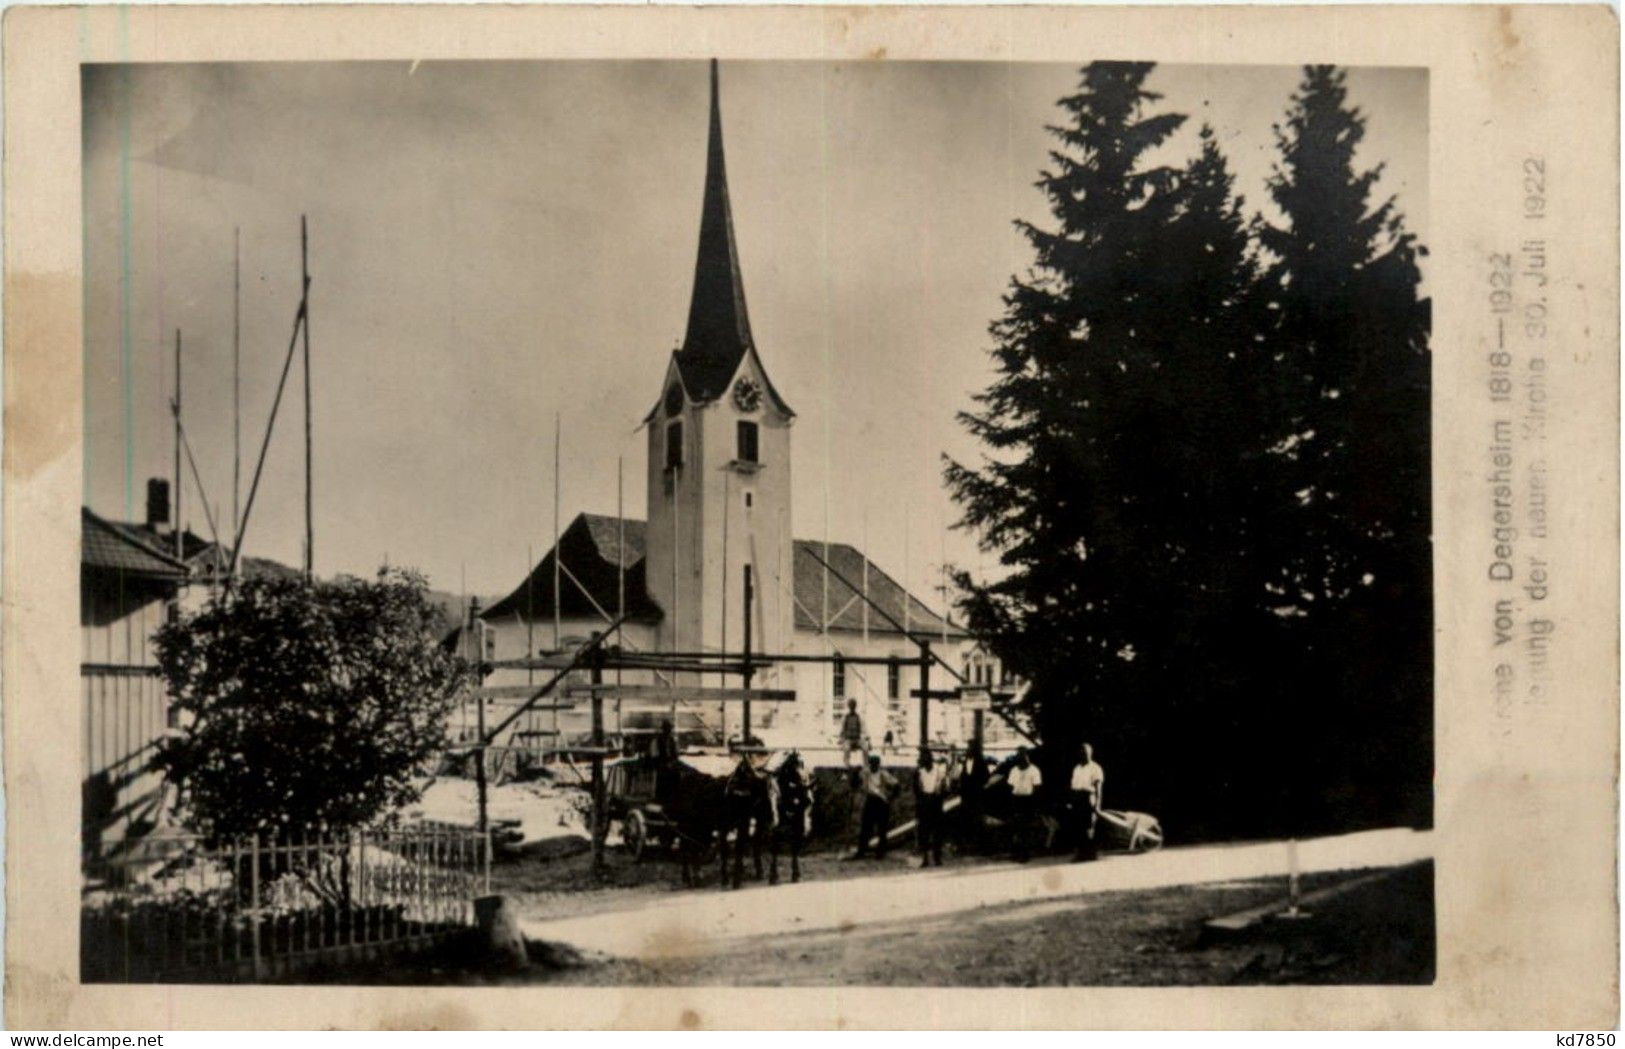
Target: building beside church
[
  {"x": 718, "y": 528},
  {"x": 132, "y": 576}
]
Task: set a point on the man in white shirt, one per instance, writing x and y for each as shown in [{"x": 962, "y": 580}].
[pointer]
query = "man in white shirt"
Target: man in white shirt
[
  {"x": 877, "y": 786},
  {"x": 852, "y": 743},
  {"x": 1088, "y": 779},
  {"x": 1024, "y": 779},
  {"x": 930, "y": 784}
]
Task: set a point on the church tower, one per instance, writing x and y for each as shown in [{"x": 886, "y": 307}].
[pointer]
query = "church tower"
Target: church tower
[{"x": 719, "y": 459}]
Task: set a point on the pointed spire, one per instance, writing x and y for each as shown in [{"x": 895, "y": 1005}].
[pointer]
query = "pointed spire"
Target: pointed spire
[{"x": 718, "y": 326}]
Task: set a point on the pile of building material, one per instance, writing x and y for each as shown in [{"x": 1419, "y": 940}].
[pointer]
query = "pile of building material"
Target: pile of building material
[{"x": 533, "y": 812}]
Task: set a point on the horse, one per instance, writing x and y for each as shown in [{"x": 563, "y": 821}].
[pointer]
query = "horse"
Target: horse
[
  {"x": 748, "y": 813},
  {"x": 793, "y": 788},
  {"x": 695, "y": 809}
]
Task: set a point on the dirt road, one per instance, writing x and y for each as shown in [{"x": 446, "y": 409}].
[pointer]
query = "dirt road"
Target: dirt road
[
  {"x": 710, "y": 922},
  {"x": 1371, "y": 928}
]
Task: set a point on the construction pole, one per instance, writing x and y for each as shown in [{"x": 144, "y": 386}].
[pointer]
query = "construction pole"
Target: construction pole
[
  {"x": 925, "y": 693},
  {"x": 236, "y": 377},
  {"x": 557, "y": 632},
  {"x": 748, "y": 670},
  {"x": 304, "y": 285},
  {"x": 866, "y": 576},
  {"x": 598, "y": 822},
  {"x": 180, "y": 552},
  {"x": 908, "y": 603},
  {"x": 530, "y": 611},
  {"x": 472, "y": 644},
  {"x": 620, "y": 571},
  {"x": 722, "y": 621},
  {"x": 270, "y": 426},
  {"x": 676, "y": 594},
  {"x": 558, "y": 644}
]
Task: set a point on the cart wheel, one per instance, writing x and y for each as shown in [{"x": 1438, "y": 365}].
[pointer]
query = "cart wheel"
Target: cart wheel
[{"x": 635, "y": 832}]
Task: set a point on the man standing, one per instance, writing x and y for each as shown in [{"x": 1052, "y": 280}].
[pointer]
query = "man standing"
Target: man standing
[
  {"x": 972, "y": 782},
  {"x": 930, "y": 784},
  {"x": 1025, "y": 779},
  {"x": 665, "y": 756},
  {"x": 1087, "y": 780},
  {"x": 877, "y": 785},
  {"x": 851, "y": 735}
]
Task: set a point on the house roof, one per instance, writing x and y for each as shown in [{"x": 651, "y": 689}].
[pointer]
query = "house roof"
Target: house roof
[
  {"x": 107, "y": 546},
  {"x": 192, "y": 544},
  {"x": 591, "y": 542},
  {"x": 203, "y": 556}
]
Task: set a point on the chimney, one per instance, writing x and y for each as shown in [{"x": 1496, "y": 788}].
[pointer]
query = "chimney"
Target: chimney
[{"x": 157, "y": 502}]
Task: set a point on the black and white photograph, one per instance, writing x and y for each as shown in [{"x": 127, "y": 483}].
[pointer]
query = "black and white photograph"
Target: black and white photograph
[{"x": 757, "y": 523}]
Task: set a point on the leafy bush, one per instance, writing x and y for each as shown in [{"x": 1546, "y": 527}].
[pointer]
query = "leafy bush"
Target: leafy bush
[{"x": 307, "y": 705}]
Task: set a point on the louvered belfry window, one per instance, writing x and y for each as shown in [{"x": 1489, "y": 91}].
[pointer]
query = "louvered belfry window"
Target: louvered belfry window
[
  {"x": 674, "y": 444},
  {"x": 747, "y": 442}
]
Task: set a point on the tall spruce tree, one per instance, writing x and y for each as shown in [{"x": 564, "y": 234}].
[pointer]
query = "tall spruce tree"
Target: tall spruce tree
[
  {"x": 1348, "y": 520},
  {"x": 1195, "y": 457},
  {"x": 1079, "y": 357},
  {"x": 1201, "y": 462},
  {"x": 1206, "y": 473}
]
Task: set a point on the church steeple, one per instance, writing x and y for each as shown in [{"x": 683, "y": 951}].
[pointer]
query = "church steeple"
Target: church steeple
[
  {"x": 718, "y": 334},
  {"x": 718, "y": 470}
]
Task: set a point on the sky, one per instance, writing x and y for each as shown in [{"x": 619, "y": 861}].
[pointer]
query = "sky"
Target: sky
[{"x": 494, "y": 246}]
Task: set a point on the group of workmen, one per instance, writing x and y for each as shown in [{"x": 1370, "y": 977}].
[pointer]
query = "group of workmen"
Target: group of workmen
[{"x": 970, "y": 776}]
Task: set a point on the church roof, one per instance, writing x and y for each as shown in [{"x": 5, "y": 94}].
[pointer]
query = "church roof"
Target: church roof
[
  {"x": 591, "y": 542},
  {"x": 846, "y": 608},
  {"x": 718, "y": 335},
  {"x": 590, "y": 547}
]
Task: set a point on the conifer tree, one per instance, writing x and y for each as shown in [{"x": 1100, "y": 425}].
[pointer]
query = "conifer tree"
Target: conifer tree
[
  {"x": 1349, "y": 516},
  {"x": 1206, "y": 474},
  {"x": 1077, "y": 353}
]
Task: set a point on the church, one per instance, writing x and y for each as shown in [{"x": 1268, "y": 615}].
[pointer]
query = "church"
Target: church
[{"x": 718, "y": 535}]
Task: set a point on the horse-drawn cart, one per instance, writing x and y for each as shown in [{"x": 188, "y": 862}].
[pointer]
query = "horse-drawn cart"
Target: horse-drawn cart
[
  {"x": 631, "y": 786},
  {"x": 630, "y": 793}
]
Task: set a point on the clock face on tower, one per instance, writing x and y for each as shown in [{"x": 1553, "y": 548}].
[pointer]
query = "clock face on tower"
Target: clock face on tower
[
  {"x": 674, "y": 399},
  {"x": 747, "y": 395}
]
